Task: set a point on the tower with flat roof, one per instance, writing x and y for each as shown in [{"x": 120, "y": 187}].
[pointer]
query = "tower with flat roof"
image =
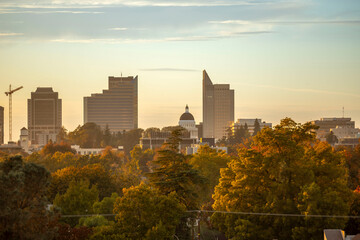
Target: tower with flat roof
[
  {"x": 44, "y": 116},
  {"x": 218, "y": 108},
  {"x": 116, "y": 107}
]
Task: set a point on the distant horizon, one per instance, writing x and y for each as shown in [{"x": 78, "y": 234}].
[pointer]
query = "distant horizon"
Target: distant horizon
[{"x": 284, "y": 58}]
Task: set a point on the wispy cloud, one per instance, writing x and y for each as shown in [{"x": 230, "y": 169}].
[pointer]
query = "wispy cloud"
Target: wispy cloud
[
  {"x": 137, "y": 3},
  {"x": 303, "y": 90},
  {"x": 46, "y": 12},
  {"x": 243, "y": 22},
  {"x": 118, "y": 29},
  {"x": 10, "y": 34},
  {"x": 168, "y": 70},
  {"x": 220, "y": 35}
]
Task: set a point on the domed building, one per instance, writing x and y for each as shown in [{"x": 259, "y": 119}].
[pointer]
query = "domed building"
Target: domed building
[{"x": 187, "y": 121}]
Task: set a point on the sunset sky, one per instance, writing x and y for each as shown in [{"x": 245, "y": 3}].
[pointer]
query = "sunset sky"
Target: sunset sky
[{"x": 296, "y": 58}]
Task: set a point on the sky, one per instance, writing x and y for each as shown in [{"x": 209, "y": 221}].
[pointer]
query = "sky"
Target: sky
[{"x": 283, "y": 58}]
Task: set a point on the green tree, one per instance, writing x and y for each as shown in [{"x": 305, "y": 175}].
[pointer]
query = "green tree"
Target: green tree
[
  {"x": 78, "y": 199},
  {"x": 171, "y": 172},
  {"x": 95, "y": 173},
  {"x": 23, "y": 202},
  {"x": 143, "y": 211},
  {"x": 107, "y": 137},
  {"x": 256, "y": 127},
  {"x": 208, "y": 162},
  {"x": 106, "y": 205},
  {"x": 285, "y": 171},
  {"x": 93, "y": 221}
]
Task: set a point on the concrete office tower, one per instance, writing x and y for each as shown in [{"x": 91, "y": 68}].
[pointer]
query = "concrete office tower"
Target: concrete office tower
[
  {"x": 1, "y": 125},
  {"x": 116, "y": 107},
  {"x": 44, "y": 116},
  {"x": 218, "y": 108}
]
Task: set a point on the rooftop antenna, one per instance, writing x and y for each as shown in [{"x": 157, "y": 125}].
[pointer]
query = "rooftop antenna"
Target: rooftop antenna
[
  {"x": 343, "y": 112},
  {"x": 9, "y": 93}
]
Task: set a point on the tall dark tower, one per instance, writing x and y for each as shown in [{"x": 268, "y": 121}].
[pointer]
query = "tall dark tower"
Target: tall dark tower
[
  {"x": 218, "y": 108},
  {"x": 44, "y": 116}
]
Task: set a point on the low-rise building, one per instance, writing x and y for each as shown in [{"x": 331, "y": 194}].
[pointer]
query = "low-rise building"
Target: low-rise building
[
  {"x": 154, "y": 140},
  {"x": 250, "y": 123},
  {"x": 195, "y": 147},
  {"x": 92, "y": 151}
]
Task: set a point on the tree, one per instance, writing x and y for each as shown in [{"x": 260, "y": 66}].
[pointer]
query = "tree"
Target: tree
[
  {"x": 106, "y": 205},
  {"x": 352, "y": 156},
  {"x": 88, "y": 136},
  {"x": 78, "y": 198},
  {"x": 52, "y": 148},
  {"x": 107, "y": 137},
  {"x": 331, "y": 138},
  {"x": 62, "y": 136},
  {"x": 285, "y": 171},
  {"x": 256, "y": 127},
  {"x": 23, "y": 202},
  {"x": 171, "y": 172},
  {"x": 208, "y": 162},
  {"x": 95, "y": 173},
  {"x": 142, "y": 157},
  {"x": 143, "y": 211},
  {"x": 353, "y": 225}
]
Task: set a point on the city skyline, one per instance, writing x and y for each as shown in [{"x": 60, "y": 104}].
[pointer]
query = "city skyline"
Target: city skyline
[{"x": 295, "y": 59}]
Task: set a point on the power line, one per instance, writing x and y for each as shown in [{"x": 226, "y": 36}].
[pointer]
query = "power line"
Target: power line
[{"x": 225, "y": 212}]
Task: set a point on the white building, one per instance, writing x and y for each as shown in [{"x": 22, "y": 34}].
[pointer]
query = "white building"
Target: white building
[
  {"x": 187, "y": 121},
  {"x": 94, "y": 151},
  {"x": 250, "y": 122},
  {"x": 345, "y": 131},
  {"x": 195, "y": 147}
]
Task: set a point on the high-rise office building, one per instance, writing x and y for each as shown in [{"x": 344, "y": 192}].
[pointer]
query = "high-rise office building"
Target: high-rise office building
[
  {"x": 218, "y": 108},
  {"x": 44, "y": 116},
  {"x": 116, "y": 107},
  {"x": 1, "y": 125}
]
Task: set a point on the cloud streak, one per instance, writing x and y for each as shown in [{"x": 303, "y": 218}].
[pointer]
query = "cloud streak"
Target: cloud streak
[
  {"x": 243, "y": 22},
  {"x": 220, "y": 35},
  {"x": 10, "y": 34}
]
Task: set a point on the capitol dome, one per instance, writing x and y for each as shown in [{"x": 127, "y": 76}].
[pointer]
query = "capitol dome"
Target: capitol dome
[{"x": 186, "y": 115}]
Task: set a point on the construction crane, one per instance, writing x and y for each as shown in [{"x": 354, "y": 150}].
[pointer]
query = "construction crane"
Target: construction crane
[{"x": 9, "y": 93}]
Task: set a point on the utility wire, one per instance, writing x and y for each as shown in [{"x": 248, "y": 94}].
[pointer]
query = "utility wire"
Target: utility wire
[{"x": 225, "y": 212}]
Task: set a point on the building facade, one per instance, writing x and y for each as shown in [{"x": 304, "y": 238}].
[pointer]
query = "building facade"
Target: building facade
[
  {"x": 44, "y": 116},
  {"x": 250, "y": 123},
  {"x": 327, "y": 124},
  {"x": 116, "y": 107},
  {"x": 218, "y": 108},
  {"x": 1, "y": 125}
]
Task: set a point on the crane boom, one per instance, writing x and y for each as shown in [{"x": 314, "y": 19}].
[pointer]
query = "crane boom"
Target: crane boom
[{"x": 9, "y": 93}]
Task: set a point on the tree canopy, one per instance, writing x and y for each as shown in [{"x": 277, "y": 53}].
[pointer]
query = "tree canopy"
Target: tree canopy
[
  {"x": 23, "y": 213},
  {"x": 285, "y": 171}
]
